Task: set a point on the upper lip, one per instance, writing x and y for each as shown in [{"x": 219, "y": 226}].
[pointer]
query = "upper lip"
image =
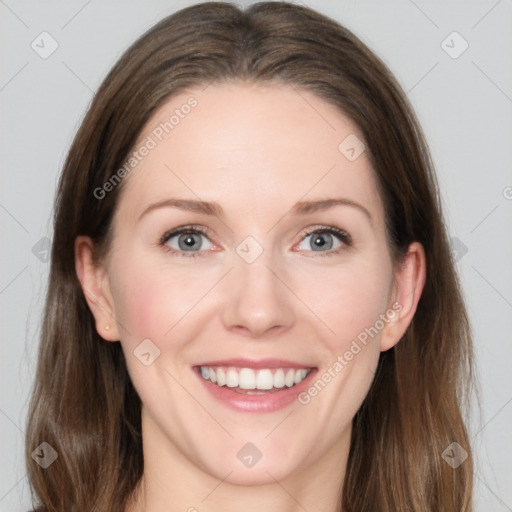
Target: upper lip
[{"x": 256, "y": 364}]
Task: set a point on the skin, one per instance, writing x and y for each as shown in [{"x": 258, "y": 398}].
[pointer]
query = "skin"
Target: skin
[{"x": 256, "y": 151}]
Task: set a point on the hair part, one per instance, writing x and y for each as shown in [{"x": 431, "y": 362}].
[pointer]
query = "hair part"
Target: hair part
[{"x": 83, "y": 401}]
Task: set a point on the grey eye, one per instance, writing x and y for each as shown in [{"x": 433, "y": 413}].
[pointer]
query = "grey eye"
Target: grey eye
[
  {"x": 189, "y": 242},
  {"x": 321, "y": 241}
]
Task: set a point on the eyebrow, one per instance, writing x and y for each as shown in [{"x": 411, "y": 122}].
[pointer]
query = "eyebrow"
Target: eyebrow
[{"x": 213, "y": 208}]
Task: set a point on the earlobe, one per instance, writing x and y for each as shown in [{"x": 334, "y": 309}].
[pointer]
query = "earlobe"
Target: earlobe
[
  {"x": 409, "y": 281},
  {"x": 95, "y": 286}
]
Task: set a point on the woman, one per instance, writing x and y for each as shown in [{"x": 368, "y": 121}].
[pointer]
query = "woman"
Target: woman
[{"x": 252, "y": 302}]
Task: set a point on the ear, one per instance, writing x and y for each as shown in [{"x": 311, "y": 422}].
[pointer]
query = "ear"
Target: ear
[
  {"x": 96, "y": 288},
  {"x": 409, "y": 280}
]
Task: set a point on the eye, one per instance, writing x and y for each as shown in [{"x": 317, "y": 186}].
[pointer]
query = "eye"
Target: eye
[
  {"x": 186, "y": 239},
  {"x": 328, "y": 240}
]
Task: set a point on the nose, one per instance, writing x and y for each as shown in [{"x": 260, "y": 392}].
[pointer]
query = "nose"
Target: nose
[{"x": 256, "y": 300}]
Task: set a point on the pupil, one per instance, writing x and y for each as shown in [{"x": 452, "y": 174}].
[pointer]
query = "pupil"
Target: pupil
[
  {"x": 320, "y": 241},
  {"x": 189, "y": 240}
]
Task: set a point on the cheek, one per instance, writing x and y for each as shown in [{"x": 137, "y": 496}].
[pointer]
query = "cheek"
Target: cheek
[
  {"x": 136, "y": 302},
  {"x": 149, "y": 300},
  {"x": 348, "y": 299}
]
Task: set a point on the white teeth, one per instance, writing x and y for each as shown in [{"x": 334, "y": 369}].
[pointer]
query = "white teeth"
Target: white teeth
[
  {"x": 288, "y": 380},
  {"x": 221, "y": 377},
  {"x": 299, "y": 376},
  {"x": 265, "y": 380},
  {"x": 279, "y": 379},
  {"x": 232, "y": 378},
  {"x": 248, "y": 378}
]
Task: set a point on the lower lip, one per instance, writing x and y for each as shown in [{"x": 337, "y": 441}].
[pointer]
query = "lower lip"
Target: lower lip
[{"x": 267, "y": 402}]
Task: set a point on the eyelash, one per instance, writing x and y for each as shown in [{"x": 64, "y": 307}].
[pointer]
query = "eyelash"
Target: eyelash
[{"x": 343, "y": 236}]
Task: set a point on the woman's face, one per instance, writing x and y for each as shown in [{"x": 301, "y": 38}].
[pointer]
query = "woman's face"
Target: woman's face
[{"x": 284, "y": 273}]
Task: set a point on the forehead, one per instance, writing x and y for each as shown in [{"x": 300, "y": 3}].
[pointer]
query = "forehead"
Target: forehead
[{"x": 250, "y": 148}]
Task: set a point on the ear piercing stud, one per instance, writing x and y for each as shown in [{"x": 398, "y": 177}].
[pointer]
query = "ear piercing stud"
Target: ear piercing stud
[{"x": 107, "y": 327}]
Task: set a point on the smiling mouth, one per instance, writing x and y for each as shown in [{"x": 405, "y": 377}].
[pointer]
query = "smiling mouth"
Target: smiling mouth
[{"x": 251, "y": 381}]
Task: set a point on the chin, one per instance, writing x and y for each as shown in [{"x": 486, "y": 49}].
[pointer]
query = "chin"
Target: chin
[{"x": 260, "y": 474}]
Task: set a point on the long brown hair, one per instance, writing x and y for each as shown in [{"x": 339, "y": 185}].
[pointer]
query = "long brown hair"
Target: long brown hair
[{"x": 84, "y": 404}]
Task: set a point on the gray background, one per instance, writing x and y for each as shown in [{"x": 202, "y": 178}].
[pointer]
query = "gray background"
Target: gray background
[{"x": 464, "y": 105}]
